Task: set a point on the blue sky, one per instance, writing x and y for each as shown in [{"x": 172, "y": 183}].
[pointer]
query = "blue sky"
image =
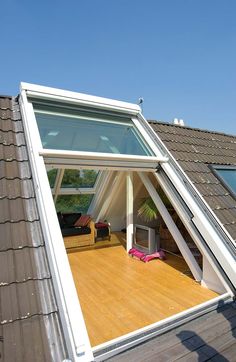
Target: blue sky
[{"x": 179, "y": 55}]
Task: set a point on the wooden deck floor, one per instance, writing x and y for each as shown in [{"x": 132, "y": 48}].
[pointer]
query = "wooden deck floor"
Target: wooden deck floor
[
  {"x": 211, "y": 337},
  {"x": 119, "y": 294}
]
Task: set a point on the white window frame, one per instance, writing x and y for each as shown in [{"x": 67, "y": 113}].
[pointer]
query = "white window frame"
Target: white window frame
[
  {"x": 69, "y": 308},
  {"x": 35, "y": 92},
  {"x": 57, "y": 190},
  {"x": 216, "y": 168},
  {"x": 74, "y": 328},
  {"x": 73, "y": 325},
  {"x": 74, "y": 190},
  {"x": 190, "y": 196}
]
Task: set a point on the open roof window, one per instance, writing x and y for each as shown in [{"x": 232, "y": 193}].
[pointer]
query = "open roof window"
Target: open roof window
[
  {"x": 73, "y": 131},
  {"x": 90, "y": 131},
  {"x": 227, "y": 175}
]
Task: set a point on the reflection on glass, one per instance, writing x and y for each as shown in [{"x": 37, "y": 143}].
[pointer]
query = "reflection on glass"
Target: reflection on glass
[
  {"x": 229, "y": 176},
  {"x": 52, "y": 174},
  {"x": 73, "y": 203},
  {"x": 79, "y": 178},
  {"x": 89, "y": 132}
]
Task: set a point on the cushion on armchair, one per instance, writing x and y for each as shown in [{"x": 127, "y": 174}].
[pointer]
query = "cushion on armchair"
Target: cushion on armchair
[
  {"x": 82, "y": 221},
  {"x": 102, "y": 230},
  {"x": 100, "y": 225}
]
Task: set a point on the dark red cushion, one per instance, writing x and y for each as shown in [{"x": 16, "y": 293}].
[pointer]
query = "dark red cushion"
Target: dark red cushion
[
  {"x": 101, "y": 225},
  {"x": 83, "y": 220}
]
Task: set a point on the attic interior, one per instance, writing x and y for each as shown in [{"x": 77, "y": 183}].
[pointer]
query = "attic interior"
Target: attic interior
[{"x": 119, "y": 293}]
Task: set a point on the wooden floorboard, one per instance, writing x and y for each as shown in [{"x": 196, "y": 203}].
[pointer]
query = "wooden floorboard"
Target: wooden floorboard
[
  {"x": 216, "y": 334},
  {"x": 229, "y": 353},
  {"x": 119, "y": 294},
  {"x": 208, "y": 338}
]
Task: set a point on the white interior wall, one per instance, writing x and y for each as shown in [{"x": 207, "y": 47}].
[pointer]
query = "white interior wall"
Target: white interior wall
[
  {"x": 210, "y": 279},
  {"x": 116, "y": 213}
]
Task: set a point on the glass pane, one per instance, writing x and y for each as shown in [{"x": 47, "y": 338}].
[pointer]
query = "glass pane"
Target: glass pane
[
  {"x": 52, "y": 174},
  {"x": 73, "y": 203},
  {"x": 89, "y": 132},
  {"x": 79, "y": 178},
  {"x": 229, "y": 176}
]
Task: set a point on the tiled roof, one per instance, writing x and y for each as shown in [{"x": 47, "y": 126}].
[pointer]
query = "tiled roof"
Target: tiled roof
[
  {"x": 30, "y": 328},
  {"x": 195, "y": 150}
]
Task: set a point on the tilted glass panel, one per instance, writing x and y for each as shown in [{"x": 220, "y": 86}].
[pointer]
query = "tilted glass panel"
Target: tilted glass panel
[
  {"x": 79, "y": 178},
  {"x": 228, "y": 176},
  {"x": 73, "y": 203},
  {"x": 66, "y": 129},
  {"x": 52, "y": 174}
]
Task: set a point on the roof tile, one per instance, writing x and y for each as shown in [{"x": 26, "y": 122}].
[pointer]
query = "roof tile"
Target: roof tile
[
  {"x": 14, "y": 169},
  {"x": 26, "y": 340},
  {"x": 194, "y": 150},
  {"x": 10, "y": 153},
  {"x": 16, "y": 188},
  {"x": 221, "y": 202},
  {"x": 231, "y": 228},
  {"x": 217, "y": 145},
  {"x": 11, "y": 138},
  {"x": 212, "y": 189},
  {"x": 202, "y": 177},
  {"x": 204, "y": 158},
  {"x": 6, "y": 113},
  {"x": 17, "y": 210},
  {"x": 20, "y": 235},
  {"x": 227, "y": 216},
  {"x": 5, "y": 102},
  {"x": 29, "y": 320},
  {"x": 23, "y": 300},
  {"x": 9, "y": 125},
  {"x": 22, "y": 265},
  {"x": 6, "y": 125},
  {"x": 194, "y": 166}
]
